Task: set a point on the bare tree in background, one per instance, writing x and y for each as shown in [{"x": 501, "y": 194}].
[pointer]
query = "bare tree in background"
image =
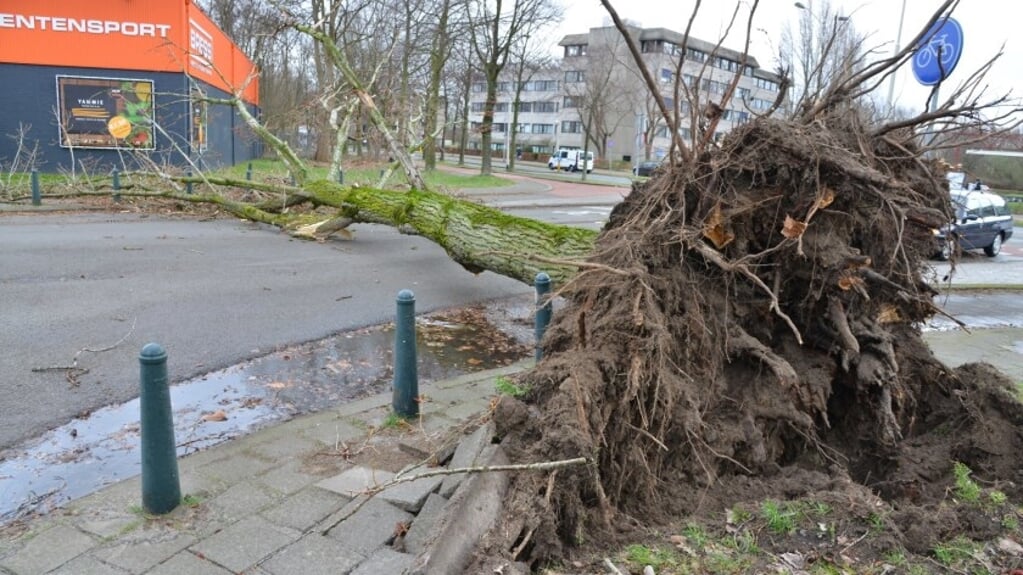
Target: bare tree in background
[
  {"x": 825, "y": 48},
  {"x": 496, "y": 26},
  {"x": 604, "y": 95},
  {"x": 530, "y": 57},
  {"x": 440, "y": 51}
]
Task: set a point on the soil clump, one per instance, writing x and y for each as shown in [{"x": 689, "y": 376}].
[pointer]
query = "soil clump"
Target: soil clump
[{"x": 744, "y": 348}]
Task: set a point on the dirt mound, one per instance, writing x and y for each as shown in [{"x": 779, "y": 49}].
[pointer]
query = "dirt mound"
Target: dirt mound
[{"x": 748, "y": 331}]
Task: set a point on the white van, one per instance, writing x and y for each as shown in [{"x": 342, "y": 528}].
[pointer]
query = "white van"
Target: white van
[{"x": 571, "y": 160}]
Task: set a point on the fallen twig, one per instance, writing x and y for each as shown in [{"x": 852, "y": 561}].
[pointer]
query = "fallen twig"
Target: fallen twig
[
  {"x": 73, "y": 371},
  {"x": 375, "y": 489}
]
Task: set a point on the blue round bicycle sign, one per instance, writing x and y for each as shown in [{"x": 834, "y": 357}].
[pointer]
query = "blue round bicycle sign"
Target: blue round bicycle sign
[{"x": 938, "y": 52}]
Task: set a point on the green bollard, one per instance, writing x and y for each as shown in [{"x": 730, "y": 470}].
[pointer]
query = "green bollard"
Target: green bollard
[
  {"x": 341, "y": 177},
  {"x": 543, "y": 309},
  {"x": 161, "y": 488},
  {"x": 188, "y": 185},
  {"x": 37, "y": 198},
  {"x": 406, "y": 384},
  {"x": 117, "y": 185},
  {"x": 248, "y": 172}
]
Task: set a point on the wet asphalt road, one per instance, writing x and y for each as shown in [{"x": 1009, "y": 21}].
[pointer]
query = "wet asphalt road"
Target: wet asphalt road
[
  {"x": 216, "y": 293},
  {"x": 213, "y": 293}
]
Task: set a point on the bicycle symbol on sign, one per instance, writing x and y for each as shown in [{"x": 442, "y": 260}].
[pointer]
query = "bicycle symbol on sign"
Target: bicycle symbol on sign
[{"x": 938, "y": 46}]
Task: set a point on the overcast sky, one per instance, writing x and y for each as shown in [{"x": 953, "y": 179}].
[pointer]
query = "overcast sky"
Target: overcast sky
[{"x": 987, "y": 25}]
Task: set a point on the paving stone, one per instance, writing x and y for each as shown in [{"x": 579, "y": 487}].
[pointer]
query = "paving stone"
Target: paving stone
[
  {"x": 106, "y": 524},
  {"x": 314, "y": 554},
  {"x": 365, "y": 404},
  {"x": 239, "y": 501},
  {"x": 472, "y": 408},
  {"x": 48, "y": 550},
  {"x": 278, "y": 448},
  {"x": 306, "y": 508},
  {"x": 353, "y": 482},
  {"x": 286, "y": 479},
  {"x": 186, "y": 563},
  {"x": 410, "y": 496},
  {"x": 88, "y": 565},
  {"x": 334, "y": 432},
  {"x": 422, "y": 531},
  {"x": 244, "y": 544},
  {"x": 466, "y": 453},
  {"x": 237, "y": 468},
  {"x": 382, "y": 561},
  {"x": 144, "y": 548},
  {"x": 372, "y": 526}
]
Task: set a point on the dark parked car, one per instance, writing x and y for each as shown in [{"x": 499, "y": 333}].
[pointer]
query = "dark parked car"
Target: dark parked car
[
  {"x": 982, "y": 221},
  {"x": 645, "y": 168}
]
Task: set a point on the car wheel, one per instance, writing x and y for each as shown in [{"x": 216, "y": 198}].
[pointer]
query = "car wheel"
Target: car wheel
[
  {"x": 944, "y": 252},
  {"x": 995, "y": 247}
]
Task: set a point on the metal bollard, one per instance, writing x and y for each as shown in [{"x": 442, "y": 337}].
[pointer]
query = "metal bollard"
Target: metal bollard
[
  {"x": 543, "y": 309},
  {"x": 117, "y": 185},
  {"x": 248, "y": 172},
  {"x": 406, "y": 382},
  {"x": 37, "y": 198},
  {"x": 341, "y": 177},
  {"x": 188, "y": 185},
  {"x": 161, "y": 487}
]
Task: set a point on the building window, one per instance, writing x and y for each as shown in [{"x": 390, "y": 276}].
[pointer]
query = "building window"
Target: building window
[
  {"x": 501, "y": 107},
  {"x": 667, "y": 75},
  {"x": 477, "y": 107},
  {"x": 570, "y": 102},
  {"x": 571, "y": 127},
  {"x": 767, "y": 84},
  {"x": 573, "y": 76},
  {"x": 499, "y": 127},
  {"x": 543, "y": 128},
  {"x": 479, "y": 87},
  {"x": 695, "y": 55},
  {"x": 540, "y": 86},
  {"x": 575, "y": 50},
  {"x": 672, "y": 49},
  {"x": 545, "y": 107}
]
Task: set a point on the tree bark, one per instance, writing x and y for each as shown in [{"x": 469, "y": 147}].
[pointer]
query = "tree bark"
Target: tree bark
[{"x": 478, "y": 237}]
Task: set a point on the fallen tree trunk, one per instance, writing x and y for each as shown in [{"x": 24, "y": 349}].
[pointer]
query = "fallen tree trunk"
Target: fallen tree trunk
[{"x": 478, "y": 237}]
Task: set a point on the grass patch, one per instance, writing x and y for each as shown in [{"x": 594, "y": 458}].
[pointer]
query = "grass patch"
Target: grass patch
[
  {"x": 780, "y": 518},
  {"x": 966, "y": 489},
  {"x": 643, "y": 555},
  {"x": 367, "y": 174},
  {"x": 956, "y": 552},
  {"x": 192, "y": 500},
  {"x": 393, "y": 421},
  {"x": 506, "y": 386}
]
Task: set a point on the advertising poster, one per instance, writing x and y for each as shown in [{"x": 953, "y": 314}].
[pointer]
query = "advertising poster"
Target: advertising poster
[
  {"x": 106, "y": 113},
  {"x": 200, "y": 116}
]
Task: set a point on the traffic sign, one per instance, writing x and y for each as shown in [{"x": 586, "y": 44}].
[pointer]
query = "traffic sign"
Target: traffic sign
[{"x": 938, "y": 52}]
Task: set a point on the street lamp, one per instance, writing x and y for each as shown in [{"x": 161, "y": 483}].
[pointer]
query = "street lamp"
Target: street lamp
[
  {"x": 812, "y": 24},
  {"x": 898, "y": 41}
]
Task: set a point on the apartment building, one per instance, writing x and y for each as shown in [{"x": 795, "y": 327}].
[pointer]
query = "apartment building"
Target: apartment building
[{"x": 598, "y": 83}]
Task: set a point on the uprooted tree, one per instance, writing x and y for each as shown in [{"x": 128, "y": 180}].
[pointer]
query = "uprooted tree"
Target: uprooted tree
[
  {"x": 750, "y": 327},
  {"x": 747, "y": 323}
]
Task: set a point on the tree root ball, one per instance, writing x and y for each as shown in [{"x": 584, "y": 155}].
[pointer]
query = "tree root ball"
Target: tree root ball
[{"x": 748, "y": 327}]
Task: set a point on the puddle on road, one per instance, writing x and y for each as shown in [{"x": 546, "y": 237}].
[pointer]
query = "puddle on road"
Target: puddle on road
[{"x": 84, "y": 455}]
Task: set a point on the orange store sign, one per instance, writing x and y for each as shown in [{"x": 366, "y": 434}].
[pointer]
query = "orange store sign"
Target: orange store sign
[
  {"x": 84, "y": 25},
  {"x": 158, "y": 36}
]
